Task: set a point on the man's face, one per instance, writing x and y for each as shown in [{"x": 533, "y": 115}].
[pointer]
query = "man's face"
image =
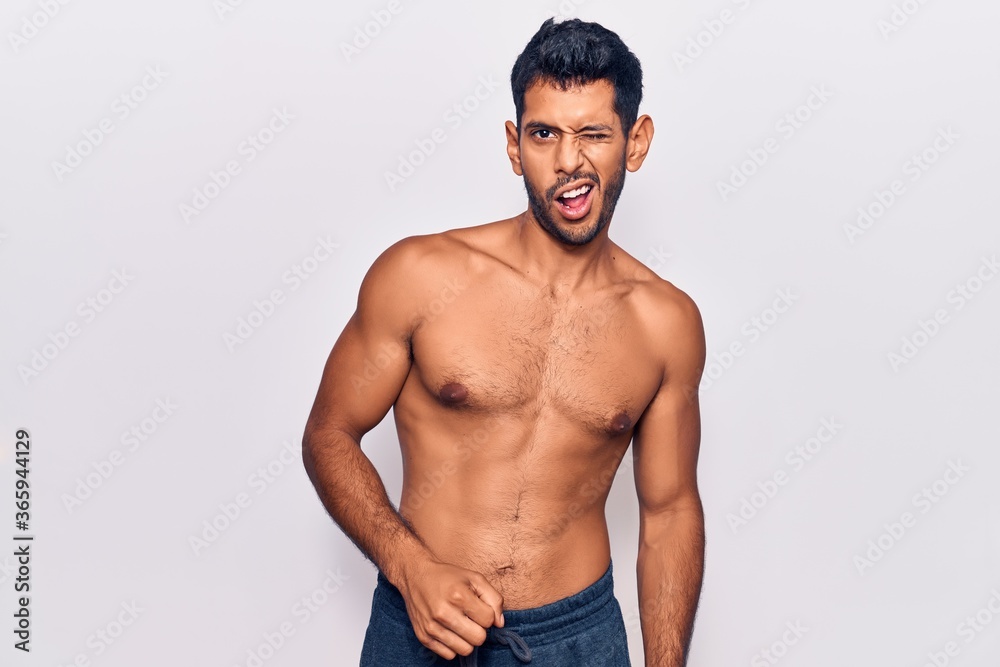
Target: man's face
[{"x": 571, "y": 143}]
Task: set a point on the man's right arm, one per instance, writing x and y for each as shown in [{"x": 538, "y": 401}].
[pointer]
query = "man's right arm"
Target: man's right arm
[
  {"x": 362, "y": 377},
  {"x": 448, "y": 606}
]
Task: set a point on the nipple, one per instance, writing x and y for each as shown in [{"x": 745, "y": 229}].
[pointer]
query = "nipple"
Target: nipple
[
  {"x": 453, "y": 392},
  {"x": 621, "y": 423}
]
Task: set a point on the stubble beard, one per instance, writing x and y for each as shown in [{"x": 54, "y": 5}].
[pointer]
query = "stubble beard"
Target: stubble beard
[{"x": 541, "y": 206}]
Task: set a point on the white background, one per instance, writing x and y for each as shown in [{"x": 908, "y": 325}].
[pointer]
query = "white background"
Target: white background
[{"x": 856, "y": 296}]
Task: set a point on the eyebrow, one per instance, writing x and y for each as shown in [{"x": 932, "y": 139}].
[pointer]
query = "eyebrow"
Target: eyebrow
[{"x": 537, "y": 125}]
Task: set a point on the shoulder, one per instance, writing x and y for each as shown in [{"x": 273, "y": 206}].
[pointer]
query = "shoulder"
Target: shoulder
[
  {"x": 445, "y": 249},
  {"x": 413, "y": 259},
  {"x": 417, "y": 269},
  {"x": 660, "y": 303},
  {"x": 669, "y": 317},
  {"x": 671, "y": 310}
]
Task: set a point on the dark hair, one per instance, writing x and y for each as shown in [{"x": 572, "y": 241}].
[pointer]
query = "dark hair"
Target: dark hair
[{"x": 574, "y": 52}]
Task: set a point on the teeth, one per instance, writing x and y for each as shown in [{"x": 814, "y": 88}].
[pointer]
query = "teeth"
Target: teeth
[{"x": 583, "y": 189}]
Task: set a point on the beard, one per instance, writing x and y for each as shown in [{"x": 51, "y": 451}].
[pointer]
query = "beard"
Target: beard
[{"x": 541, "y": 206}]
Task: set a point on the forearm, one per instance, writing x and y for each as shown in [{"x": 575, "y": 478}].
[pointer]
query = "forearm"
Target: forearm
[
  {"x": 354, "y": 495},
  {"x": 669, "y": 570}
]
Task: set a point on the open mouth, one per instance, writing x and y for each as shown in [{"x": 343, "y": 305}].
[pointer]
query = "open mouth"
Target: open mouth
[{"x": 575, "y": 204}]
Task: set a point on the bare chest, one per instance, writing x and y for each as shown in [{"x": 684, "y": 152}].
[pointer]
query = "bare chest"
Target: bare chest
[{"x": 580, "y": 363}]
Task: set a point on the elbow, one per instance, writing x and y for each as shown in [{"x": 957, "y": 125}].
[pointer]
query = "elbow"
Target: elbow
[
  {"x": 319, "y": 445},
  {"x": 667, "y": 523},
  {"x": 308, "y": 460},
  {"x": 309, "y": 447},
  {"x": 684, "y": 503}
]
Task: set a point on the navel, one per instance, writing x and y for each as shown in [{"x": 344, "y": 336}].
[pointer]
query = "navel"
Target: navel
[{"x": 453, "y": 392}]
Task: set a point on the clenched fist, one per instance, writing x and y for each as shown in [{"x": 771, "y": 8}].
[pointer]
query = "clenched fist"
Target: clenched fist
[{"x": 450, "y": 607}]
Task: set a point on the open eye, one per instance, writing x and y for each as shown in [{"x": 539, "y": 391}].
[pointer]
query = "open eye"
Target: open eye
[{"x": 542, "y": 134}]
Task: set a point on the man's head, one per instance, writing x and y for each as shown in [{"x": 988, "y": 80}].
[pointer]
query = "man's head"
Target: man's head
[
  {"x": 577, "y": 89},
  {"x": 574, "y": 53}
]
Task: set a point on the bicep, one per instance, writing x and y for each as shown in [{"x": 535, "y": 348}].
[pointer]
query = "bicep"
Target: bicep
[
  {"x": 371, "y": 359},
  {"x": 667, "y": 438}
]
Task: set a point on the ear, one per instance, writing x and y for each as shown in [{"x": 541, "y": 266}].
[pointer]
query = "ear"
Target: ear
[
  {"x": 514, "y": 148},
  {"x": 639, "y": 140}
]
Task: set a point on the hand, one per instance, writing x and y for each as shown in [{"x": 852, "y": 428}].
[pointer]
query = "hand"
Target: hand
[{"x": 450, "y": 607}]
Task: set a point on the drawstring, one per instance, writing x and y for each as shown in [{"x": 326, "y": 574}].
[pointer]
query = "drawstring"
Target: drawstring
[
  {"x": 514, "y": 641},
  {"x": 503, "y": 636}
]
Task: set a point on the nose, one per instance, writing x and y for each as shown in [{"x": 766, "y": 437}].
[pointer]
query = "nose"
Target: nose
[{"x": 569, "y": 157}]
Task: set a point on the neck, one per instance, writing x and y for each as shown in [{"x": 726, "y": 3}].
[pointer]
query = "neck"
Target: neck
[{"x": 556, "y": 264}]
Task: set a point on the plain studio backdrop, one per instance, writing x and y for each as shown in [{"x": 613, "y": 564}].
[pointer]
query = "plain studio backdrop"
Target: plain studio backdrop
[{"x": 193, "y": 191}]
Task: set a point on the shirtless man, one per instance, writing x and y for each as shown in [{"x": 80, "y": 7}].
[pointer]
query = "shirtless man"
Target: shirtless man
[{"x": 521, "y": 358}]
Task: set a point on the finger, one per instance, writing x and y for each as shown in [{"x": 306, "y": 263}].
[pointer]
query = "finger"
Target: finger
[
  {"x": 451, "y": 640},
  {"x": 474, "y": 608},
  {"x": 472, "y": 631},
  {"x": 480, "y": 612},
  {"x": 439, "y": 649},
  {"x": 490, "y": 596}
]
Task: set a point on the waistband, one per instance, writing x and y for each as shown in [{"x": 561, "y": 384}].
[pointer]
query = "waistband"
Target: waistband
[{"x": 549, "y": 622}]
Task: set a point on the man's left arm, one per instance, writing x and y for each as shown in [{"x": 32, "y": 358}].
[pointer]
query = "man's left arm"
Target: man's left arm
[{"x": 671, "y": 522}]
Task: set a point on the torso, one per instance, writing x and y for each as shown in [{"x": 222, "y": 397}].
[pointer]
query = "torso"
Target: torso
[{"x": 519, "y": 405}]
